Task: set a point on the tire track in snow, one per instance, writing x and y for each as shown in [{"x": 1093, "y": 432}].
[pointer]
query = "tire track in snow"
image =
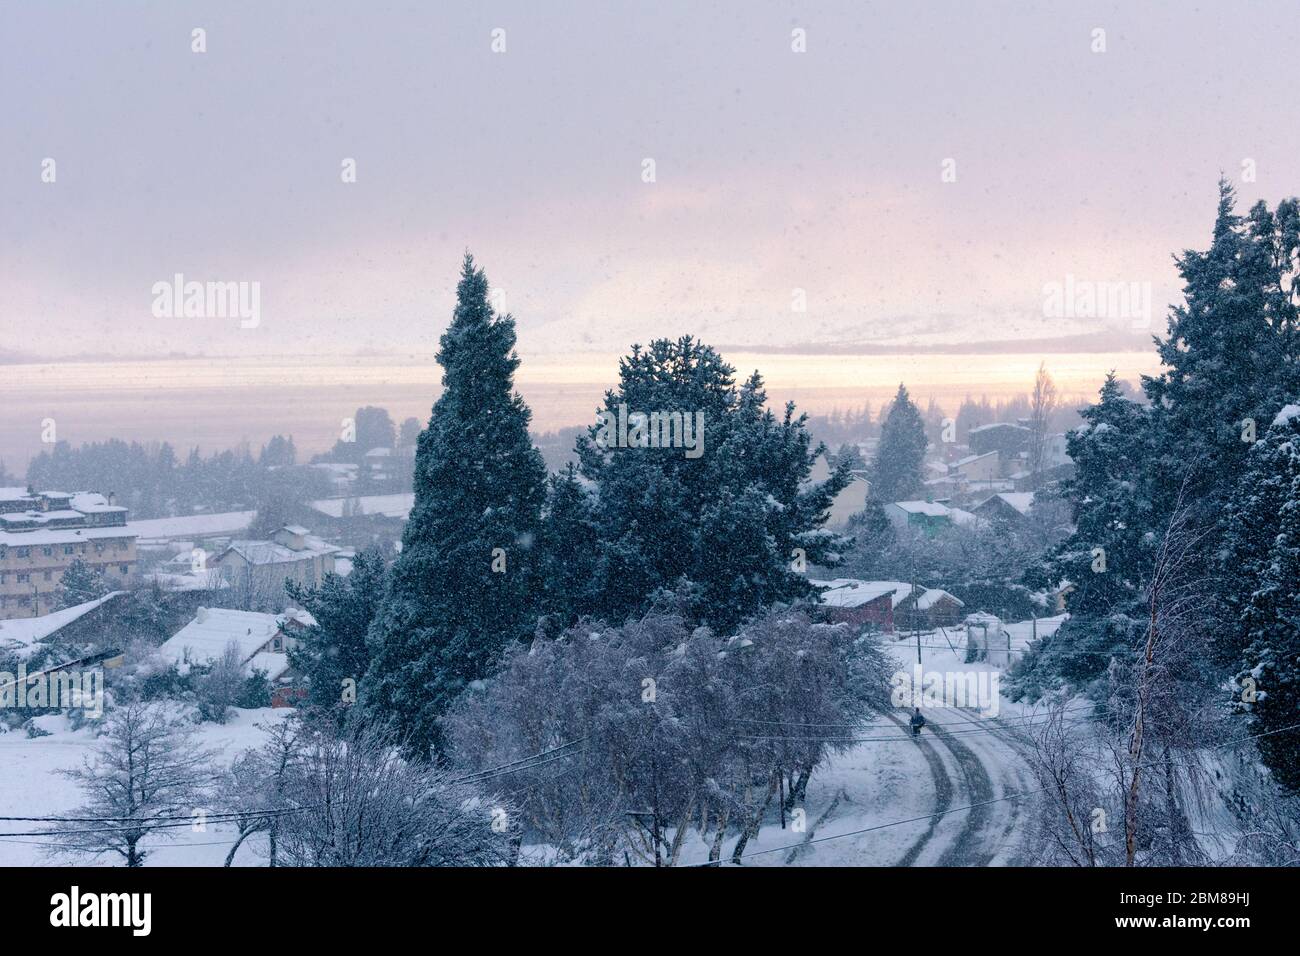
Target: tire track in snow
[
  {"x": 965, "y": 849},
  {"x": 942, "y": 794},
  {"x": 1006, "y": 751}
]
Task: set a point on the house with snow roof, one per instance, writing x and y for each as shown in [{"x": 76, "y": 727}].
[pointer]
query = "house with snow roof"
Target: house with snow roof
[
  {"x": 862, "y": 603},
  {"x": 887, "y": 606},
  {"x": 927, "y": 516},
  {"x": 261, "y": 568},
  {"x": 1009, "y": 507},
  {"x": 929, "y": 608},
  {"x": 262, "y": 641}
]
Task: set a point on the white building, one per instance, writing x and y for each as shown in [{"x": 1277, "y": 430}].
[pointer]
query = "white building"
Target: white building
[
  {"x": 261, "y": 640},
  {"x": 261, "y": 568}
]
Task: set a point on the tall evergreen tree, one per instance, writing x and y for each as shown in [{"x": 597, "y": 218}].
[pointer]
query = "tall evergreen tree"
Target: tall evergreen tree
[
  {"x": 461, "y": 588},
  {"x": 335, "y": 648},
  {"x": 1109, "y": 553},
  {"x": 568, "y": 548},
  {"x": 1108, "y": 556},
  {"x": 1263, "y": 546},
  {"x": 1230, "y": 356},
  {"x": 897, "y": 472},
  {"x": 732, "y": 526}
]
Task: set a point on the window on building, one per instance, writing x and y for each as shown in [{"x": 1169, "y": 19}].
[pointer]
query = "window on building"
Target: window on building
[
  {"x": 68, "y": 549},
  {"x": 49, "y": 576},
  {"x": 125, "y": 569},
  {"x": 24, "y": 578},
  {"x": 24, "y": 552},
  {"x": 47, "y": 551}
]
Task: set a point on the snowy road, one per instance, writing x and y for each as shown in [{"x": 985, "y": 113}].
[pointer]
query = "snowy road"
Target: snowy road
[
  {"x": 897, "y": 801},
  {"x": 991, "y": 766}
]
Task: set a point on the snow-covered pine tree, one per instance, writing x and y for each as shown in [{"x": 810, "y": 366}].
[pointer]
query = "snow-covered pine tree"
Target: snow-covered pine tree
[
  {"x": 897, "y": 472},
  {"x": 462, "y": 587},
  {"x": 1230, "y": 356},
  {"x": 568, "y": 546},
  {"x": 736, "y": 523},
  {"x": 334, "y": 649},
  {"x": 1109, "y": 554},
  {"x": 1110, "y": 550},
  {"x": 1263, "y": 544},
  {"x": 80, "y": 583}
]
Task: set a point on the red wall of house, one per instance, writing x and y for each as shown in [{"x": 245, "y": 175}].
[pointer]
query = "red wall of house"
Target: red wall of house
[{"x": 879, "y": 612}]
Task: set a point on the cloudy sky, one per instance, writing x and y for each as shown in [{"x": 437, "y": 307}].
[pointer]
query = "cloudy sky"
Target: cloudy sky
[{"x": 775, "y": 171}]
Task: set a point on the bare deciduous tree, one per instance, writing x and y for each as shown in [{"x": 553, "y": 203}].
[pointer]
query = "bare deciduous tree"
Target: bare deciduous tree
[
  {"x": 1143, "y": 760},
  {"x": 1041, "y": 411},
  {"x": 148, "y": 778},
  {"x": 362, "y": 804},
  {"x": 254, "y": 789}
]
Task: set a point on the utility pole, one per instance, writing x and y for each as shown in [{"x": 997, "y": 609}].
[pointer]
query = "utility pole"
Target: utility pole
[
  {"x": 780, "y": 776},
  {"x": 916, "y": 622}
]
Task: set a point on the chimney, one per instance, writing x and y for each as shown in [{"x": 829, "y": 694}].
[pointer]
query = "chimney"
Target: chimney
[
  {"x": 112, "y": 495},
  {"x": 201, "y": 614}
]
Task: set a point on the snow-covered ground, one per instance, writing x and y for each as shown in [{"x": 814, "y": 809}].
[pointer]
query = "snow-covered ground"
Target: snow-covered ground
[
  {"x": 32, "y": 787},
  {"x": 961, "y": 794},
  {"x": 907, "y": 794}
]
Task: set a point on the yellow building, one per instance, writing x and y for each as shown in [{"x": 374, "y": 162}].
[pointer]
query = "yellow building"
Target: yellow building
[{"x": 42, "y": 533}]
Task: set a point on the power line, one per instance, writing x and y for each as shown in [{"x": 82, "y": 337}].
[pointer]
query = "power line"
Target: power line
[
  {"x": 142, "y": 826},
  {"x": 220, "y": 813},
  {"x": 899, "y": 737},
  {"x": 493, "y": 771}
]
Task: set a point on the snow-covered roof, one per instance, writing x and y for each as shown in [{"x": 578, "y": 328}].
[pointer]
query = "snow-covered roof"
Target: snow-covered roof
[
  {"x": 389, "y": 506},
  {"x": 24, "y": 631},
  {"x": 191, "y": 526},
  {"x": 931, "y": 508},
  {"x": 300, "y": 616},
  {"x": 934, "y": 509},
  {"x": 19, "y": 539},
  {"x": 295, "y": 529},
  {"x": 960, "y": 516},
  {"x": 42, "y": 517},
  {"x": 850, "y": 592},
  {"x": 931, "y": 596},
  {"x": 206, "y": 637},
  {"x": 971, "y": 459},
  {"x": 14, "y": 494},
  {"x": 274, "y": 663},
  {"x": 272, "y": 552},
  {"x": 1020, "y": 500},
  {"x": 90, "y": 502},
  {"x": 984, "y": 428}
]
